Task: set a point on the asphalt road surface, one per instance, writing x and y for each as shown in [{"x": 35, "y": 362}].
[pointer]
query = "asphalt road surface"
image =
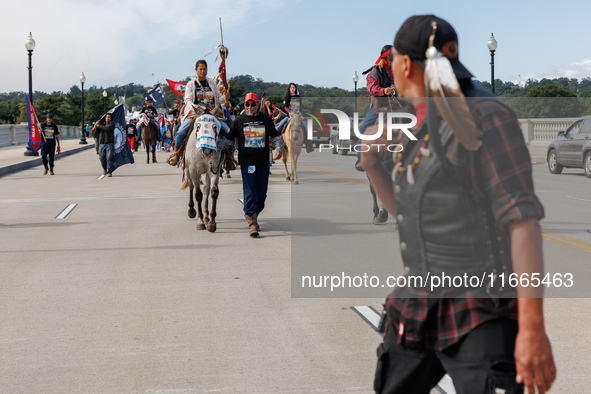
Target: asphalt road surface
[{"x": 121, "y": 293}]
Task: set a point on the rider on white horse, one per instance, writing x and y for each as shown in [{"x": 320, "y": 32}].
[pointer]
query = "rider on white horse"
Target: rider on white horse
[{"x": 200, "y": 91}]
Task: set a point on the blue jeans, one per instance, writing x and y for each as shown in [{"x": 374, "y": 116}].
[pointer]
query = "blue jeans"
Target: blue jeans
[
  {"x": 284, "y": 121},
  {"x": 106, "y": 156},
  {"x": 254, "y": 188},
  {"x": 184, "y": 129},
  {"x": 369, "y": 120}
]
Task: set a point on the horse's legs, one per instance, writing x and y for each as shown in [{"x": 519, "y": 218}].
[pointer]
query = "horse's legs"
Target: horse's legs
[
  {"x": 147, "y": 145},
  {"x": 294, "y": 166},
  {"x": 154, "y": 151},
  {"x": 206, "y": 190},
  {"x": 191, "y": 212},
  {"x": 215, "y": 191},
  {"x": 284, "y": 158},
  {"x": 199, "y": 198},
  {"x": 380, "y": 215}
]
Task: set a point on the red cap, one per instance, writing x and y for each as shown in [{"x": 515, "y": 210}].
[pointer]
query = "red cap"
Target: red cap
[{"x": 251, "y": 96}]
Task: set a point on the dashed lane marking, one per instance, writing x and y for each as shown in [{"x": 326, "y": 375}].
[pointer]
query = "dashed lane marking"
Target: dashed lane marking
[{"x": 66, "y": 211}]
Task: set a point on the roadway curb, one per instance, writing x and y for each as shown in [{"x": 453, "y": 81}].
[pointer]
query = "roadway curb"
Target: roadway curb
[{"x": 23, "y": 165}]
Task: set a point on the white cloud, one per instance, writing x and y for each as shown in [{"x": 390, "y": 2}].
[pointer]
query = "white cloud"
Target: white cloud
[{"x": 109, "y": 39}]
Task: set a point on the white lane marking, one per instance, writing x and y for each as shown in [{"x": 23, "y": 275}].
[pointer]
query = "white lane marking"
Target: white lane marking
[
  {"x": 369, "y": 314},
  {"x": 100, "y": 177},
  {"x": 372, "y": 317},
  {"x": 577, "y": 198},
  {"x": 66, "y": 211}
]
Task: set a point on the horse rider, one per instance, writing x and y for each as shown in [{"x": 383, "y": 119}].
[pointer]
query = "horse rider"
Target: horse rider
[
  {"x": 380, "y": 85},
  {"x": 200, "y": 91},
  {"x": 151, "y": 113},
  {"x": 293, "y": 103}
]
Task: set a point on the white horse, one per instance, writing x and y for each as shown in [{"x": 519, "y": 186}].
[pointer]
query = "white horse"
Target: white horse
[
  {"x": 203, "y": 158},
  {"x": 293, "y": 140}
]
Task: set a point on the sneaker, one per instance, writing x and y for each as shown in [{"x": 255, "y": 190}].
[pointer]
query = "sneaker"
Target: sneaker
[
  {"x": 358, "y": 165},
  {"x": 109, "y": 175},
  {"x": 104, "y": 172},
  {"x": 309, "y": 148}
]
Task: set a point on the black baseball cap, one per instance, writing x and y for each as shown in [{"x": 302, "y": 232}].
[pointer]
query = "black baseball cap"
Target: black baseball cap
[
  {"x": 412, "y": 39},
  {"x": 49, "y": 116}
]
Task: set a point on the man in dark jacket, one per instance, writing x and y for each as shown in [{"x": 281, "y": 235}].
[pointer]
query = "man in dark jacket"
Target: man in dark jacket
[{"x": 106, "y": 139}]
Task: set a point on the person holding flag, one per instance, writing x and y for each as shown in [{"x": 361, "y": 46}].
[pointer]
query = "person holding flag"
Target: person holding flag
[
  {"x": 51, "y": 139},
  {"x": 106, "y": 139}
]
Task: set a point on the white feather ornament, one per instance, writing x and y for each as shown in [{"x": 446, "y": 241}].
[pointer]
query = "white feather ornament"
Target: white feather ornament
[
  {"x": 448, "y": 97},
  {"x": 410, "y": 177}
]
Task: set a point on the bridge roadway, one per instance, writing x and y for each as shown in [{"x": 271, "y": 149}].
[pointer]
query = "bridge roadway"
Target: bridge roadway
[{"x": 125, "y": 295}]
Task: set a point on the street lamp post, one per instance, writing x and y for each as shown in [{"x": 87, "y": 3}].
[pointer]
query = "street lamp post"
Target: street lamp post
[
  {"x": 83, "y": 139},
  {"x": 355, "y": 79},
  {"x": 105, "y": 101},
  {"x": 30, "y": 45},
  {"x": 492, "y": 47}
]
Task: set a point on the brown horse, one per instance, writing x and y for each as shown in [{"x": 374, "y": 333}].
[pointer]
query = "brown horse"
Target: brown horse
[
  {"x": 150, "y": 137},
  {"x": 293, "y": 139}
]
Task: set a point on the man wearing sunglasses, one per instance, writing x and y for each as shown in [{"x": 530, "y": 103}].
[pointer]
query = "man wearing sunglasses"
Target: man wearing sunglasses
[
  {"x": 253, "y": 130},
  {"x": 464, "y": 200}
]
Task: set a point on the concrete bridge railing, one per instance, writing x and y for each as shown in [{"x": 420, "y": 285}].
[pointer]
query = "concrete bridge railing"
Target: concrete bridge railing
[{"x": 11, "y": 134}]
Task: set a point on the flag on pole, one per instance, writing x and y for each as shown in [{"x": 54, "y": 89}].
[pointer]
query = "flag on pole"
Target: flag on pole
[
  {"x": 35, "y": 140},
  {"x": 177, "y": 88},
  {"x": 155, "y": 94},
  {"x": 121, "y": 150}
]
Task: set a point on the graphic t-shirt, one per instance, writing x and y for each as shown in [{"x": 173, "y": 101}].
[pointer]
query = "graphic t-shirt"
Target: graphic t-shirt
[
  {"x": 253, "y": 133},
  {"x": 150, "y": 111},
  {"x": 50, "y": 131},
  {"x": 203, "y": 94},
  {"x": 295, "y": 104},
  {"x": 130, "y": 130}
]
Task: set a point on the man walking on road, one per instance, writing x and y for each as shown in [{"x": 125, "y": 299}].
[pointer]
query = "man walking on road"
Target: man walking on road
[
  {"x": 465, "y": 204},
  {"x": 253, "y": 129},
  {"x": 106, "y": 139},
  {"x": 51, "y": 139}
]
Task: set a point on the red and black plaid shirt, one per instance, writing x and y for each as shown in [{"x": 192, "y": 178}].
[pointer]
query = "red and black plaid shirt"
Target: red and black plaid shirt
[{"x": 500, "y": 172}]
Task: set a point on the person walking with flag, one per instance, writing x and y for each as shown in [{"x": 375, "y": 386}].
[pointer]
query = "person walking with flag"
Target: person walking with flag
[
  {"x": 51, "y": 140},
  {"x": 106, "y": 139}
]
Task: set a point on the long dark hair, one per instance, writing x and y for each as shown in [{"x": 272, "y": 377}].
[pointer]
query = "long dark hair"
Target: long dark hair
[
  {"x": 287, "y": 97},
  {"x": 384, "y": 49}
]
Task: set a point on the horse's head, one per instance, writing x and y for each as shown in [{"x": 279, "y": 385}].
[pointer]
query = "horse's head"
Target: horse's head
[{"x": 206, "y": 129}]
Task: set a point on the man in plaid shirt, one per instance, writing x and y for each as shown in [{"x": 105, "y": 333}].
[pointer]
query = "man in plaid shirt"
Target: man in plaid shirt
[{"x": 460, "y": 211}]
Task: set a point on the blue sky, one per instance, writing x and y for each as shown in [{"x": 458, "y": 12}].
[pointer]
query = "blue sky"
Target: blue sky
[{"x": 317, "y": 42}]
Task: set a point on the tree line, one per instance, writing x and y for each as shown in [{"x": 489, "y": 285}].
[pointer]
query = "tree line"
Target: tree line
[{"x": 558, "y": 97}]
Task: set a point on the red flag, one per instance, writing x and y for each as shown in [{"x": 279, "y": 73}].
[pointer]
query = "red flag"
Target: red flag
[
  {"x": 177, "y": 88},
  {"x": 222, "y": 73},
  {"x": 35, "y": 140}
]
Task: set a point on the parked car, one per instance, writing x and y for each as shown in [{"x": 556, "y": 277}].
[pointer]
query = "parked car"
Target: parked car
[
  {"x": 340, "y": 146},
  {"x": 572, "y": 148}
]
